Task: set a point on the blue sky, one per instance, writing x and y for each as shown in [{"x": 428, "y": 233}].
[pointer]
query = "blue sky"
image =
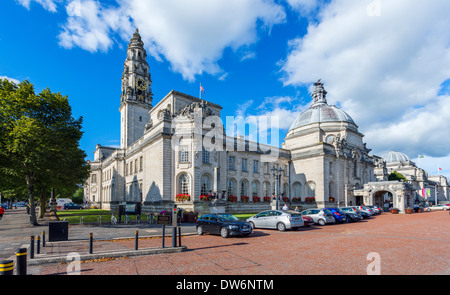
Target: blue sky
[{"x": 386, "y": 63}]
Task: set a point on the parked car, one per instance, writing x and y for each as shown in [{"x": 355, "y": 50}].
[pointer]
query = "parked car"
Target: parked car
[
  {"x": 376, "y": 209},
  {"x": 338, "y": 214},
  {"x": 365, "y": 209},
  {"x": 68, "y": 206},
  {"x": 279, "y": 219},
  {"x": 437, "y": 208},
  {"x": 307, "y": 221},
  {"x": 320, "y": 216},
  {"x": 224, "y": 224},
  {"x": 353, "y": 212}
]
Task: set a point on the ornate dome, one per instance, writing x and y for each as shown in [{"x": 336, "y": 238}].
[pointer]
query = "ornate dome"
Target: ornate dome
[
  {"x": 392, "y": 157},
  {"x": 320, "y": 111}
]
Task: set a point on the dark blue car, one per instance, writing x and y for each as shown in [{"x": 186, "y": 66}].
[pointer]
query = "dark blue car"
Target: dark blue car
[{"x": 338, "y": 214}]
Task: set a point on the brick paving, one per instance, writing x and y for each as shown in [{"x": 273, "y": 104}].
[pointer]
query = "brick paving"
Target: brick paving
[{"x": 412, "y": 244}]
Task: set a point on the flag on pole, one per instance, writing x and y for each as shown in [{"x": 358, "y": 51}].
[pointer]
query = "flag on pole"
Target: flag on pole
[
  {"x": 440, "y": 168},
  {"x": 201, "y": 90},
  {"x": 420, "y": 156}
]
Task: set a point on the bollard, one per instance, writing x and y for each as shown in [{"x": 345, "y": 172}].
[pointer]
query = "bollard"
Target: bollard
[
  {"x": 21, "y": 261},
  {"x": 31, "y": 247},
  {"x": 43, "y": 239},
  {"x": 99, "y": 220},
  {"x": 136, "y": 240},
  {"x": 91, "y": 243},
  {"x": 38, "y": 245},
  {"x": 6, "y": 268}
]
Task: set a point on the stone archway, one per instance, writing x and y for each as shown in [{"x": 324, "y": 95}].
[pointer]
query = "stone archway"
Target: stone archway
[{"x": 384, "y": 199}]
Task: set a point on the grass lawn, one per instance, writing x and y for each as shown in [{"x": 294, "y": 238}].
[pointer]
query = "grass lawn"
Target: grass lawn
[
  {"x": 91, "y": 216},
  {"x": 244, "y": 216}
]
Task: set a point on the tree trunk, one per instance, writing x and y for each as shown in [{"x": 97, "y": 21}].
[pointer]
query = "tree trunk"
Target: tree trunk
[
  {"x": 30, "y": 188},
  {"x": 42, "y": 204}
]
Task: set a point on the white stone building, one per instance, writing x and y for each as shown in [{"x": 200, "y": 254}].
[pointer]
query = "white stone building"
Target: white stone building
[{"x": 177, "y": 151}]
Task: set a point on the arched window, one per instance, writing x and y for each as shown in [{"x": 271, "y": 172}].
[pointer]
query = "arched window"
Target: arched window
[
  {"x": 331, "y": 189},
  {"x": 205, "y": 184},
  {"x": 297, "y": 188},
  {"x": 311, "y": 189},
  {"x": 285, "y": 190},
  {"x": 244, "y": 188},
  {"x": 231, "y": 189},
  {"x": 255, "y": 188},
  {"x": 184, "y": 184},
  {"x": 266, "y": 189}
]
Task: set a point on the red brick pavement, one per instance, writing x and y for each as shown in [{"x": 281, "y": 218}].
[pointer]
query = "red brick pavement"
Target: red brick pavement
[{"x": 413, "y": 244}]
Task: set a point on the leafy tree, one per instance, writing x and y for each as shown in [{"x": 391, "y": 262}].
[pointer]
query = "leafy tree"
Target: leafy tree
[
  {"x": 39, "y": 141},
  {"x": 397, "y": 176}
]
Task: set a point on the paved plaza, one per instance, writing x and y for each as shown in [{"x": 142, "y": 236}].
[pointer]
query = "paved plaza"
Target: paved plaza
[{"x": 402, "y": 244}]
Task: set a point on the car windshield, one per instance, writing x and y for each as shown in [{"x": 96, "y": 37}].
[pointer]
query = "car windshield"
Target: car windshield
[{"x": 227, "y": 217}]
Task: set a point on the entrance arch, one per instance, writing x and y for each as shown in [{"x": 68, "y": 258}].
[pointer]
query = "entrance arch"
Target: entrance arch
[{"x": 384, "y": 199}]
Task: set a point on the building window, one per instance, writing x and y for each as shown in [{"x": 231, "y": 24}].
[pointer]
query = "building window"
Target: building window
[
  {"x": 131, "y": 167},
  {"x": 311, "y": 189},
  {"x": 94, "y": 178},
  {"x": 135, "y": 166},
  {"x": 141, "y": 163},
  {"x": 184, "y": 184},
  {"x": 266, "y": 189},
  {"x": 297, "y": 187},
  {"x": 266, "y": 168},
  {"x": 244, "y": 188},
  {"x": 244, "y": 165},
  {"x": 285, "y": 190},
  {"x": 355, "y": 169},
  {"x": 184, "y": 155},
  {"x": 331, "y": 189},
  {"x": 255, "y": 188},
  {"x": 205, "y": 185},
  {"x": 230, "y": 163},
  {"x": 231, "y": 190},
  {"x": 255, "y": 166},
  {"x": 205, "y": 156}
]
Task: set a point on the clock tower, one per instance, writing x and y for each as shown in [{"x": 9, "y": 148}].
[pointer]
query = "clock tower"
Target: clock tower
[{"x": 136, "y": 97}]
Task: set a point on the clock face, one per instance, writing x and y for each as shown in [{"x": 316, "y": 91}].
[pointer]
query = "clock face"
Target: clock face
[{"x": 141, "y": 84}]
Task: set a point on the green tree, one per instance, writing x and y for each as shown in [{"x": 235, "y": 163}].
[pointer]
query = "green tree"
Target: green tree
[
  {"x": 396, "y": 176},
  {"x": 39, "y": 141}
]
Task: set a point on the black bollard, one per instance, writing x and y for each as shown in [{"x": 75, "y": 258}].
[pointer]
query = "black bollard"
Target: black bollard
[
  {"x": 136, "y": 240},
  {"x": 91, "y": 243},
  {"x": 31, "y": 247},
  {"x": 6, "y": 268},
  {"x": 21, "y": 261},
  {"x": 38, "y": 245},
  {"x": 43, "y": 239}
]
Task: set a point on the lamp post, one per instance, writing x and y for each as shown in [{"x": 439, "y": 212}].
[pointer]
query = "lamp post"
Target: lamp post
[{"x": 276, "y": 172}]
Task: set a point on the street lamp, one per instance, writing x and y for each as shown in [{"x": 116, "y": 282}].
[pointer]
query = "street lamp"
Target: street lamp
[{"x": 277, "y": 172}]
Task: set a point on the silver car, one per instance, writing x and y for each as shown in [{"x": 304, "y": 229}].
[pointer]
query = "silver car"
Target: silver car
[
  {"x": 278, "y": 219},
  {"x": 320, "y": 216}
]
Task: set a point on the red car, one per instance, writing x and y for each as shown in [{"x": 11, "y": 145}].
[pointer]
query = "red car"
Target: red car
[{"x": 308, "y": 221}]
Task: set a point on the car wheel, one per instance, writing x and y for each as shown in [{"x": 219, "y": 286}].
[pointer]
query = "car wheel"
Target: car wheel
[
  {"x": 224, "y": 232},
  {"x": 199, "y": 230},
  {"x": 252, "y": 224},
  {"x": 321, "y": 222},
  {"x": 281, "y": 226}
]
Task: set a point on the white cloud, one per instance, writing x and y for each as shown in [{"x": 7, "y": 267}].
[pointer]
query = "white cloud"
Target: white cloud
[
  {"x": 386, "y": 71},
  {"x": 90, "y": 25},
  {"x": 49, "y": 5},
  {"x": 190, "y": 35},
  {"x": 10, "y": 79}
]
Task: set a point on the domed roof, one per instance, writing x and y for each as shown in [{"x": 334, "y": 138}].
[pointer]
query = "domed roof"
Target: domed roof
[
  {"x": 320, "y": 111},
  {"x": 392, "y": 157}
]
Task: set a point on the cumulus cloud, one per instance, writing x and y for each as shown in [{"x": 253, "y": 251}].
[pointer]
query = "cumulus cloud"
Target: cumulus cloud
[
  {"x": 50, "y": 5},
  {"x": 10, "y": 79},
  {"x": 385, "y": 69},
  {"x": 190, "y": 35}
]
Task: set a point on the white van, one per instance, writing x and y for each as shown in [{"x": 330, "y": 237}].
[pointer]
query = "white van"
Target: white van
[{"x": 60, "y": 203}]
